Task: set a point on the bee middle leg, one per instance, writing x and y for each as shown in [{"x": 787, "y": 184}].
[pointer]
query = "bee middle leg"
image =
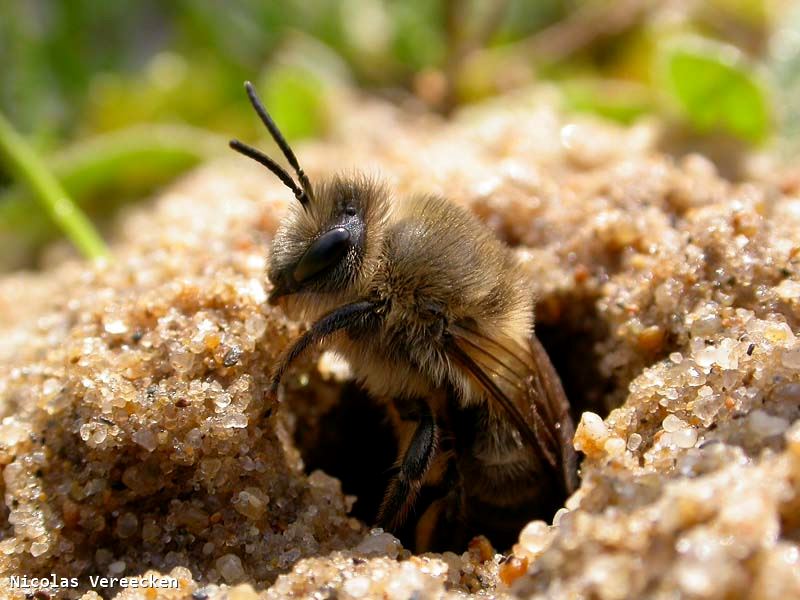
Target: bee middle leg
[{"x": 414, "y": 463}]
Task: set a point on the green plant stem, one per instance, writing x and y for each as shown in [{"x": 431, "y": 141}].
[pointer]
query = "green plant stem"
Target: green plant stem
[{"x": 22, "y": 161}]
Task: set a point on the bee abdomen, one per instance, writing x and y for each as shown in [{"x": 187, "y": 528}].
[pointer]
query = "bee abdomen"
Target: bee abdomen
[{"x": 504, "y": 485}]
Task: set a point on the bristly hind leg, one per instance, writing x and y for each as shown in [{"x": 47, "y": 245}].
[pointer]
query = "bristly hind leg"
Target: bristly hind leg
[{"x": 413, "y": 466}]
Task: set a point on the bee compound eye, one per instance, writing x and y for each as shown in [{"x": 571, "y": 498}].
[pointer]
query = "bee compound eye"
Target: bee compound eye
[{"x": 326, "y": 252}]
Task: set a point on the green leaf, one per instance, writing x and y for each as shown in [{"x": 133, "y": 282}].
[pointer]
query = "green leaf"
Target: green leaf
[{"x": 716, "y": 89}]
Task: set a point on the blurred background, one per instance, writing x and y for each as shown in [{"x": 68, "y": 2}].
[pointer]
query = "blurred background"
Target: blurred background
[{"x": 115, "y": 99}]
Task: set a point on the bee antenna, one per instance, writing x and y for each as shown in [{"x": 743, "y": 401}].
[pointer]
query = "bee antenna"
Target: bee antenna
[
  {"x": 276, "y": 134},
  {"x": 265, "y": 160}
]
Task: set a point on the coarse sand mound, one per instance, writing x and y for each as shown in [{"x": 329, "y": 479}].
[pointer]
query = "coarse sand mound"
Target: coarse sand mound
[{"x": 136, "y": 439}]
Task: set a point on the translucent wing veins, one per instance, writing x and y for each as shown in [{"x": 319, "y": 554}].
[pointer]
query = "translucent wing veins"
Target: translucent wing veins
[{"x": 526, "y": 387}]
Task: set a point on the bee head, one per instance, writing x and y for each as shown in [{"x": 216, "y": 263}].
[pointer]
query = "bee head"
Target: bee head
[
  {"x": 331, "y": 238},
  {"x": 327, "y": 249}
]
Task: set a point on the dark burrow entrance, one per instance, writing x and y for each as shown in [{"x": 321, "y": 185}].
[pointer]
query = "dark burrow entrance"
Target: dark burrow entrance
[
  {"x": 354, "y": 442},
  {"x": 351, "y": 438}
]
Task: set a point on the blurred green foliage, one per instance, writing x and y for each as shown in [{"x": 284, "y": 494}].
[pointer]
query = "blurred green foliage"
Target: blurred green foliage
[
  {"x": 784, "y": 67},
  {"x": 52, "y": 197},
  {"x": 715, "y": 89},
  {"x": 83, "y": 74}
]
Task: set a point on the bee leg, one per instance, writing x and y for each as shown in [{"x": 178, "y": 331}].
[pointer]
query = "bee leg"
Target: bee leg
[
  {"x": 442, "y": 526},
  {"x": 413, "y": 466},
  {"x": 427, "y": 527},
  {"x": 346, "y": 317}
]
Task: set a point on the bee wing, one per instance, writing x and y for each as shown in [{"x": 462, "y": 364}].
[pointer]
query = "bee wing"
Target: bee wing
[
  {"x": 552, "y": 392},
  {"x": 523, "y": 382}
]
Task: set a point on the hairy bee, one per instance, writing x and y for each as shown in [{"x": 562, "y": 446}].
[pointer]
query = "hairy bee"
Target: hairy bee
[{"x": 436, "y": 319}]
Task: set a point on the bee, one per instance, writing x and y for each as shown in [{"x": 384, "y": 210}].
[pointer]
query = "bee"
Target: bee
[{"x": 435, "y": 317}]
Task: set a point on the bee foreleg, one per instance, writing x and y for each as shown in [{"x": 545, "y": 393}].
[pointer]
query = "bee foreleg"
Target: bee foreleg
[
  {"x": 413, "y": 466},
  {"x": 344, "y": 317}
]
